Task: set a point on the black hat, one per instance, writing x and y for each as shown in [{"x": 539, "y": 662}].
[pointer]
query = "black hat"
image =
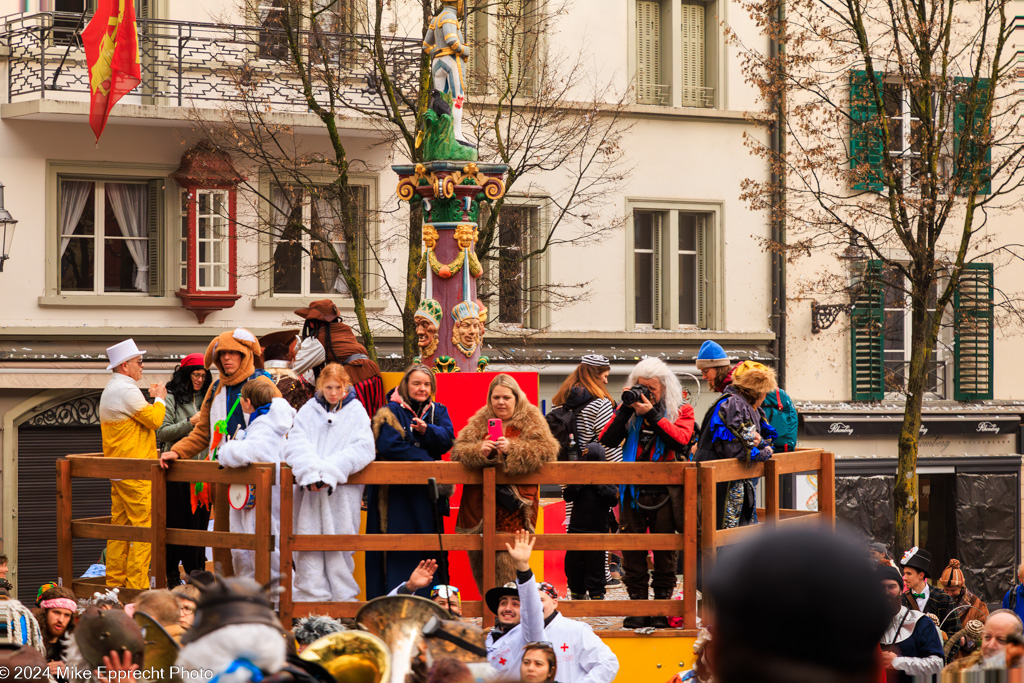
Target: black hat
[
  {"x": 786, "y": 572},
  {"x": 494, "y": 596},
  {"x": 920, "y": 560},
  {"x": 887, "y": 572}
]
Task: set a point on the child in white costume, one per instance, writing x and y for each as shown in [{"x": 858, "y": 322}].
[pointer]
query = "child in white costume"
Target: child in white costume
[
  {"x": 330, "y": 440},
  {"x": 269, "y": 419}
]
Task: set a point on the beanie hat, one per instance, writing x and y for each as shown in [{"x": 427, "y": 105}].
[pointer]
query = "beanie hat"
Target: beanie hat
[
  {"x": 952, "y": 576},
  {"x": 545, "y": 587},
  {"x": 596, "y": 360},
  {"x": 794, "y": 567},
  {"x": 192, "y": 360},
  {"x": 887, "y": 572},
  {"x": 711, "y": 355}
]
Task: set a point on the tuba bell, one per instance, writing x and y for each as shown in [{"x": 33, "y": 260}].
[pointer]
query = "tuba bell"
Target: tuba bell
[
  {"x": 398, "y": 620},
  {"x": 351, "y": 657}
]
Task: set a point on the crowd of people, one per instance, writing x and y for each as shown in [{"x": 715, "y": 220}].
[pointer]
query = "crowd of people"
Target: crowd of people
[{"x": 312, "y": 399}]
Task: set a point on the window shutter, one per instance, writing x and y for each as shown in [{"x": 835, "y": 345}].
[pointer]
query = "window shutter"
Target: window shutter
[
  {"x": 703, "y": 265},
  {"x": 648, "y": 52},
  {"x": 658, "y": 284},
  {"x": 154, "y": 218},
  {"x": 692, "y": 42},
  {"x": 964, "y": 139},
  {"x": 866, "y": 145},
  {"x": 867, "y": 368},
  {"x": 973, "y": 335}
]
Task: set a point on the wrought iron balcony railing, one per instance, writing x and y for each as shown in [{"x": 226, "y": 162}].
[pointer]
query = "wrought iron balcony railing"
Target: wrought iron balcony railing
[{"x": 199, "y": 64}]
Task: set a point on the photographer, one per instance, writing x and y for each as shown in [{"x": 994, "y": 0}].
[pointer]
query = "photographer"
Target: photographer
[{"x": 654, "y": 425}]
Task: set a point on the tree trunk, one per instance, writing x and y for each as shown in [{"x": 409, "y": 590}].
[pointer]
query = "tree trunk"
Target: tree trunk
[{"x": 410, "y": 349}]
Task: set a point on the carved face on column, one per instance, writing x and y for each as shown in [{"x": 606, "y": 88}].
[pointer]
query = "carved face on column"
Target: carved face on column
[
  {"x": 467, "y": 331},
  {"x": 428, "y": 319}
]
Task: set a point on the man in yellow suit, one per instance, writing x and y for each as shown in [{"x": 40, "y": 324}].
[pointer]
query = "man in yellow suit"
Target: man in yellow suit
[{"x": 128, "y": 424}]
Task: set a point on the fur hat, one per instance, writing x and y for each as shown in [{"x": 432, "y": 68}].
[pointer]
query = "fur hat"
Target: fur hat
[
  {"x": 952, "y": 576},
  {"x": 712, "y": 355},
  {"x": 322, "y": 309},
  {"x": 754, "y": 378},
  {"x": 314, "y": 627},
  {"x": 241, "y": 340}
]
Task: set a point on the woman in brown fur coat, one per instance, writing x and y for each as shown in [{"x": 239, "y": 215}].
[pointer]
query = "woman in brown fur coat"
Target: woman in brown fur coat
[{"x": 526, "y": 444}]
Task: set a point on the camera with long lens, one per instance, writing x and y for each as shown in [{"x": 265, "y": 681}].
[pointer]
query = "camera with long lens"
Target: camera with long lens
[{"x": 635, "y": 393}]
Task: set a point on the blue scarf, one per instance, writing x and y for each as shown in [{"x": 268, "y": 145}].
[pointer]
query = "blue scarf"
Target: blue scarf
[
  {"x": 257, "y": 412},
  {"x": 636, "y": 425}
]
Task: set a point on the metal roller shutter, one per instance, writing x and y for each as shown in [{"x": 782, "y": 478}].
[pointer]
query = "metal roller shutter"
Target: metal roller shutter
[{"x": 38, "y": 451}]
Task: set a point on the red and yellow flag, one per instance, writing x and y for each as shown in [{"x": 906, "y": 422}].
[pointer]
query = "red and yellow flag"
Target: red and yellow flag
[{"x": 112, "y": 53}]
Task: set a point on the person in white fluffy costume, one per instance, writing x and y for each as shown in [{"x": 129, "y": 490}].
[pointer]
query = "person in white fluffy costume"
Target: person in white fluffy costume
[
  {"x": 236, "y": 638},
  {"x": 269, "y": 419},
  {"x": 330, "y": 440}
]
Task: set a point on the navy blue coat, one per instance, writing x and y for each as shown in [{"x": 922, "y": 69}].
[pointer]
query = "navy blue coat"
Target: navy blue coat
[{"x": 404, "y": 509}]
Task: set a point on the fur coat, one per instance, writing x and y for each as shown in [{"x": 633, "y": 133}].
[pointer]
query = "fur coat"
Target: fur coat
[
  {"x": 530, "y": 446},
  {"x": 263, "y": 441},
  {"x": 327, "y": 447}
]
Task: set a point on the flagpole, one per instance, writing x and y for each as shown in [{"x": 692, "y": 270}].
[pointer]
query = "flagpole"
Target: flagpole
[{"x": 60, "y": 67}]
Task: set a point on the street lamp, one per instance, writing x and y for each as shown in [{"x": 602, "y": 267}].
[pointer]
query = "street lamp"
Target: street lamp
[{"x": 7, "y": 224}]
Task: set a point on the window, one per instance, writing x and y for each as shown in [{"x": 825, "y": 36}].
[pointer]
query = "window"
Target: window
[
  {"x": 273, "y": 40},
  {"x": 880, "y": 336},
  {"x": 306, "y": 224},
  {"x": 674, "y": 66},
  {"x": 68, "y": 21},
  {"x": 212, "y": 239},
  {"x": 108, "y": 240},
  {"x": 508, "y": 34},
  {"x": 512, "y": 287},
  {"x": 866, "y": 143},
  {"x": 670, "y": 256}
]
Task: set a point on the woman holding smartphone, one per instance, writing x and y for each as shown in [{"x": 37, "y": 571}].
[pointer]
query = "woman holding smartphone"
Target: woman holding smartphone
[{"x": 508, "y": 432}]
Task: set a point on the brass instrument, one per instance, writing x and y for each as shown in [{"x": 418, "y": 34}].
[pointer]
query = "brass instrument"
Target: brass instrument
[
  {"x": 351, "y": 657},
  {"x": 398, "y": 620}
]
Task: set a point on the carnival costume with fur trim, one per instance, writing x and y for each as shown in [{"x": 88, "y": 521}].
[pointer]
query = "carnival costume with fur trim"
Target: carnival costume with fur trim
[
  {"x": 327, "y": 447},
  {"x": 262, "y": 441},
  {"x": 403, "y": 509},
  {"x": 128, "y": 424},
  {"x": 530, "y": 446},
  {"x": 225, "y": 391}
]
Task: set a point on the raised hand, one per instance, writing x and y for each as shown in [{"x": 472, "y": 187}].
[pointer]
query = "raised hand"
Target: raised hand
[
  {"x": 422, "y": 575},
  {"x": 522, "y": 549}
]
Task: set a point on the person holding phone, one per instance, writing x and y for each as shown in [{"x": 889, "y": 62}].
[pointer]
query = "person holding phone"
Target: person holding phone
[{"x": 510, "y": 433}]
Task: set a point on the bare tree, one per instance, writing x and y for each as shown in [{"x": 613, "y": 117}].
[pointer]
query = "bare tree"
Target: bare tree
[
  {"x": 346, "y": 63},
  {"x": 900, "y": 138}
]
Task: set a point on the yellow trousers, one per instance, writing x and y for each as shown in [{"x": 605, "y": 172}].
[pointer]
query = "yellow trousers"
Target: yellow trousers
[{"x": 128, "y": 562}]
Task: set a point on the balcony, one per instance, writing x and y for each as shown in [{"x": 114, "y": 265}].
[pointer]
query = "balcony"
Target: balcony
[{"x": 199, "y": 65}]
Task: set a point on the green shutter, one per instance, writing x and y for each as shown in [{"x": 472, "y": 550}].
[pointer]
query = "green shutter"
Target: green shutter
[
  {"x": 867, "y": 368},
  {"x": 154, "y": 225},
  {"x": 866, "y": 144},
  {"x": 972, "y": 341},
  {"x": 965, "y": 139}
]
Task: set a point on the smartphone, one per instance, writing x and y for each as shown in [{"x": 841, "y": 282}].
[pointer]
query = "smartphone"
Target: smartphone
[{"x": 494, "y": 431}]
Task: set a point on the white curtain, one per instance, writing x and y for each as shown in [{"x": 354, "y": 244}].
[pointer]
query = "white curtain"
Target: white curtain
[
  {"x": 73, "y": 196},
  {"x": 129, "y": 205},
  {"x": 327, "y": 224}
]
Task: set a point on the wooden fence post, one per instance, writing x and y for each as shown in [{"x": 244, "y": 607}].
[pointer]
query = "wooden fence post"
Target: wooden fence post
[
  {"x": 285, "y": 542},
  {"x": 65, "y": 543},
  {"x": 221, "y": 522},
  {"x": 263, "y": 542},
  {"x": 771, "y": 492},
  {"x": 709, "y": 514},
  {"x": 489, "y": 546},
  {"x": 158, "y": 522},
  {"x": 827, "y": 488},
  {"x": 690, "y": 546}
]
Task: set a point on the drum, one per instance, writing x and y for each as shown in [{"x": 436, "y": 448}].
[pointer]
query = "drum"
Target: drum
[{"x": 242, "y": 496}]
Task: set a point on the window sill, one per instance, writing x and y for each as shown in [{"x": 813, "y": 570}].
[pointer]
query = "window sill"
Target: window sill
[
  {"x": 109, "y": 301},
  {"x": 293, "y": 301}
]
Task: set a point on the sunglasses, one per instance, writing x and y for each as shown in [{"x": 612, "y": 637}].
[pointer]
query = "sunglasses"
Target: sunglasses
[{"x": 444, "y": 591}]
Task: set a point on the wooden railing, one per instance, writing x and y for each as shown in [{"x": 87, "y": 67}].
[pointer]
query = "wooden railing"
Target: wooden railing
[
  {"x": 95, "y": 466},
  {"x": 772, "y": 514},
  {"x": 489, "y": 541}
]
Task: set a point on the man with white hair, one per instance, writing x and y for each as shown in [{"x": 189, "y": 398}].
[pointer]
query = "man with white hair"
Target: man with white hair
[
  {"x": 128, "y": 424},
  {"x": 653, "y": 425},
  {"x": 1001, "y": 624}
]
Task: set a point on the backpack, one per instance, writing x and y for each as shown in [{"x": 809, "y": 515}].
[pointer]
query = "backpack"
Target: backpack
[{"x": 562, "y": 423}]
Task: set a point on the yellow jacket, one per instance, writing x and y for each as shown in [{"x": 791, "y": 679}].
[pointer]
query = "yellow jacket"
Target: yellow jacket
[{"x": 128, "y": 422}]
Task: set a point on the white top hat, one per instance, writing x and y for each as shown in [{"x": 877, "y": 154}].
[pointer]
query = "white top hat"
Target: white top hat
[{"x": 122, "y": 351}]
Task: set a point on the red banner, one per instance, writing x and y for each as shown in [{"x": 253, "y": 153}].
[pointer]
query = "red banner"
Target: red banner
[{"x": 112, "y": 53}]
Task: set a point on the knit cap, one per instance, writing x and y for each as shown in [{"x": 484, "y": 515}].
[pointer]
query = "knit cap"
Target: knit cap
[
  {"x": 711, "y": 355},
  {"x": 952, "y": 576}
]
